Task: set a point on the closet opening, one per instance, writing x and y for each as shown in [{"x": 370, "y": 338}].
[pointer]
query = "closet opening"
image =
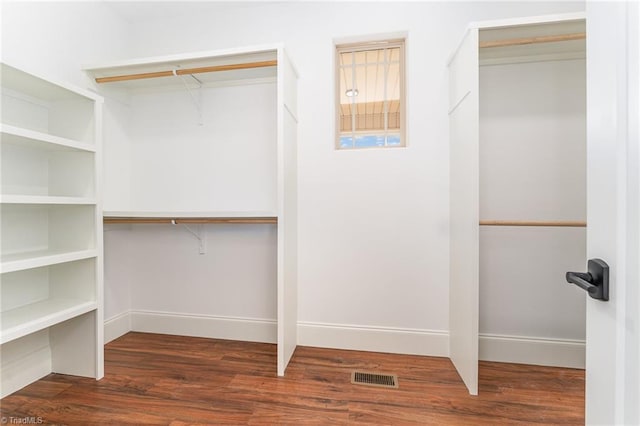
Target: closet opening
[
  {"x": 532, "y": 192},
  {"x": 201, "y": 203}
]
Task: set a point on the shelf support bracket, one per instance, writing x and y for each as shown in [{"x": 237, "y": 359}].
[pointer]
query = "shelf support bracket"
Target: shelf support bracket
[
  {"x": 197, "y": 97},
  {"x": 199, "y": 234}
]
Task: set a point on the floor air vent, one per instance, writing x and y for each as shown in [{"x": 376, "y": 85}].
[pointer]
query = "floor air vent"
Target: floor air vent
[{"x": 374, "y": 379}]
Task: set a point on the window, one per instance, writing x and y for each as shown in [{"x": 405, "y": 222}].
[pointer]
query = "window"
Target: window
[{"x": 370, "y": 95}]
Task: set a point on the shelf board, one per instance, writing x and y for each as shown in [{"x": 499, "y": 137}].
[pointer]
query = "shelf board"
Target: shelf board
[
  {"x": 44, "y": 199},
  {"x": 41, "y": 88},
  {"x": 32, "y": 138},
  {"x": 37, "y": 316},
  {"x": 114, "y": 217},
  {"x": 37, "y": 259},
  {"x": 229, "y": 65},
  {"x": 542, "y": 41}
]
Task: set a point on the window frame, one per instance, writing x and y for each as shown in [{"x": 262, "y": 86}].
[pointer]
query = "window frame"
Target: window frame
[{"x": 367, "y": 45}]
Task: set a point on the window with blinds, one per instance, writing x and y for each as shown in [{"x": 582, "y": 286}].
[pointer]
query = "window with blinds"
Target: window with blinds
[{"x": 370, "y": 95}]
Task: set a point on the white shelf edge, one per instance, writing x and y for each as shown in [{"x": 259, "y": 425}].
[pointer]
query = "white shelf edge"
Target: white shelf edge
[
  {"x": 33, "y": 135},
  {"x": 529, "y": 20},
  {"x": 45, "y": 199},
  {"x": 75, "y": 90},
  {"x": 189, "y": 214},
  {"x": 183, "y": 57},
  {"x": 46, "y": 260},
  {"x": 42, "y": 315}
]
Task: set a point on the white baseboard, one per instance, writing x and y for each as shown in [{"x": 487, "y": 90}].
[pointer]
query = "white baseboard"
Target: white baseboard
[
  {"x": 536, "y": 351},
  {"x": 498, "y": 348},
  {"x": 374, "y": 339},
  {"x": 215, "y": 327},
  {"x": 24, "y": 371},
  {"x": 117, "y": 326}
]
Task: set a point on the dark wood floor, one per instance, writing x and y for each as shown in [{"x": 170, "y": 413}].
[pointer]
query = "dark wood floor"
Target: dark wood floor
[{"x": 174, "y": 380}]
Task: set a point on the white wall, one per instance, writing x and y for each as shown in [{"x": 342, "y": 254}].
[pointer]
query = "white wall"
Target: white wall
[
  {"x": 175, "y": 162},
  {"x": 533, "y": 167},
  {"x": 227, "y": 163},
  {"x": 373, "y": 245},
  {"x": 56, "y": 39},
  {"x": 373, "y": 224}
]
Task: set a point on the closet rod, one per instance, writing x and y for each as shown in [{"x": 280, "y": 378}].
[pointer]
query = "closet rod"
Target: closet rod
[
  {"x": 559, "y": 223},
  {"x": 532, "y": 40},
  {"x": 189, "y": 220},
  {"x": 186, "y": 71}
]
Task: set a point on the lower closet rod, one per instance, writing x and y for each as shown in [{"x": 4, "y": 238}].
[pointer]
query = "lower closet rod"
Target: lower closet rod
[{"x": 559, "y": 223}]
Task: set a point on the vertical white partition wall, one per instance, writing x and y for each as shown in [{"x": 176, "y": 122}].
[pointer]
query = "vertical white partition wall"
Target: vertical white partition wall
[
  {"x": 209, "y": 140},
  {"x": 287, "y": 212},
  {"x": 518, "y": 184},
  {"x": 51, "y": 231},
  {"x": 464, "y": 202}
]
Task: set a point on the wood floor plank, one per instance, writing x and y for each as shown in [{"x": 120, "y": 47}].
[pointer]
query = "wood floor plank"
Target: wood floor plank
[
  {"x": 284, "y": 414},
  {"x": 154, "y": 379}
]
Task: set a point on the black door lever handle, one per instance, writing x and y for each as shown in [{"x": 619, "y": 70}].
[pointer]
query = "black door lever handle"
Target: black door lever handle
[
  {"x": 582, "y": 280},
  {"x": 595, "y": 282}
]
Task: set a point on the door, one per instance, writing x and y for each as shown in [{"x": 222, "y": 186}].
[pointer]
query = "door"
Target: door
[
  {"x": 613, "y": 190},
  {"x": 464, "y": 210}
]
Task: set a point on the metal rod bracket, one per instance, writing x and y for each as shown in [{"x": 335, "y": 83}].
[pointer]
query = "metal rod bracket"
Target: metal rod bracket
[
  {"x": 199, "y": 234},
  {"x": 195, "y": 97}
]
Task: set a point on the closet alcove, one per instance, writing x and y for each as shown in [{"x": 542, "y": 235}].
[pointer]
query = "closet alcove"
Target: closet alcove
[
  {"x": 518, "y": 193},
  {"x": 205, "y": 179}
]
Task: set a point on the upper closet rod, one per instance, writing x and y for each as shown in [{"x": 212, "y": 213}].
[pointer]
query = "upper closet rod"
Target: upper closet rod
[
  {"x": 532, "y": 40},
  {"x": 186, "y": 71},
  {"x": 564, "y": 223},
  {"x": 191, "y": 220}
]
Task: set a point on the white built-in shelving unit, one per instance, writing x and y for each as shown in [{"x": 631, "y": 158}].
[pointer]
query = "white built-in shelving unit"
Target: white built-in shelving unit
[
  {"x": 51, "y": 230},
  {"x": 209, "y": 138}
]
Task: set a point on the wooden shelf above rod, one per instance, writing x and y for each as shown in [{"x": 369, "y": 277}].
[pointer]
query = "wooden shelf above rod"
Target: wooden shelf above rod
[
  {"x": 187, "y": 71},
  {"x": 189, "y": 220},
  {"x": 532, "y": 40},
  {"x": 556, "y": 223}
]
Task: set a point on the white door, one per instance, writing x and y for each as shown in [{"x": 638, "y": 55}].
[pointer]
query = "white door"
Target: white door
[
  {"x": 464, "y": 208},
  {"x": 613, "y": 327}
]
